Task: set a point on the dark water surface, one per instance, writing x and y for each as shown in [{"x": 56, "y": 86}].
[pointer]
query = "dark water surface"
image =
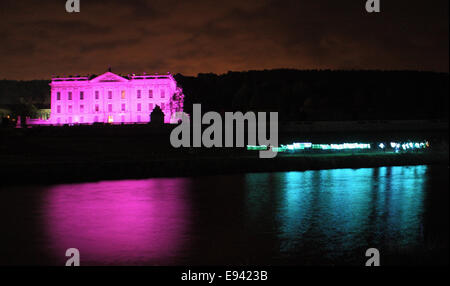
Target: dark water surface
[{"x": 312, "y": 217}]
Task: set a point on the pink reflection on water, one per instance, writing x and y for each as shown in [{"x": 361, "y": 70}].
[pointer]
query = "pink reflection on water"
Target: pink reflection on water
[{"x": 135, "y": 222}]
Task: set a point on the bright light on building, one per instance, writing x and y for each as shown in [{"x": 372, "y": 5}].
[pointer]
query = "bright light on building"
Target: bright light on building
[{"x": 112, "y": 98}]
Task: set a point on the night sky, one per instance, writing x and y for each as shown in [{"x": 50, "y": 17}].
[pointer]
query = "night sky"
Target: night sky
[{"x": 40, "y": 39}]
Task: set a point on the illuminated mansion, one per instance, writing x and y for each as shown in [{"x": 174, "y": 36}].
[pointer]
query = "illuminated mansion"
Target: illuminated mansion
[{"x": 110, "y": 98}]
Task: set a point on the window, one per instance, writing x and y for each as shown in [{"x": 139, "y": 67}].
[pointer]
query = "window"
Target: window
[
  {"x": 110, "y": 94},
  {"x": 138, "y": 118},
  {"x": 123, "y": 118},
  {"x": 122, "y": 94},
  {"x": 97, "y": 108},
  {"x": 150, "y": 106},
  {"x": 97, "y": 95},
  {"x": 150, "y": 93},
  {"x": 162, "y": 106},
  {"x": 123, "y": 106},
  {"x": 58, "y": 109},
  {"x": 163, "y": 94},
  {"x": 138, "y": 94},
  {"x": 58, "y": 96},
  {"x": 81, "y": 95},
  {"x": 69, "y": 120},
  {"x": 138, "y": 107},
  {"x": 70, "y": 108},
  {"x": 81, "y": 108},
  {"x": 96, "y": 118},
  {"x": 109, "y": 107},
  {"x": 70, "y": 95}
]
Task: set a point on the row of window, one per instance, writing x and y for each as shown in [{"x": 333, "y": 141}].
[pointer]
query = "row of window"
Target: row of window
[
  {"x": 110, "y": 107},
  {"x": 110, "y": 94},
  {"x": 69, "y": 95}
]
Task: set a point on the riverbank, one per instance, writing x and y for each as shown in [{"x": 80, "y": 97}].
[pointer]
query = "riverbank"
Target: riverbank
[
  {"x": 52, "y": 172},
  {"x": 68, "y": 154}
]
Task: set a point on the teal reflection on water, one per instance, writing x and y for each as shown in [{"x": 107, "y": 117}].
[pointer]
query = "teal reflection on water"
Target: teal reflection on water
[{"x": 342, "y": 210}]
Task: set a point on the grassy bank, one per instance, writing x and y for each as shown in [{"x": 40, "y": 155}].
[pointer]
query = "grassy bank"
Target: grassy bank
[
  {"x": 87, "y": 153},
  {"x": 64, "y": 171}
]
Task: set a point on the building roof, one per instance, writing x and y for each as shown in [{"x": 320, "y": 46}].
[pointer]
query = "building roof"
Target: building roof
[{"x": 110, "y": 77}]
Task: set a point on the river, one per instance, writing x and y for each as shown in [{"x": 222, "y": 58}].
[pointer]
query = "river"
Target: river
[{"x": 327, "y": 217}]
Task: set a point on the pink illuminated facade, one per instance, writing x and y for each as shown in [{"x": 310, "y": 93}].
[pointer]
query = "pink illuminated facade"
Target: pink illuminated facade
[{"x": 110, "y": 98}]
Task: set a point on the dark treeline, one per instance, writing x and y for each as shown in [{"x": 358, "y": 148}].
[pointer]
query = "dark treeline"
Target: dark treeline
[
  {"x": 295, "y": 94},
  {"x": 24, "y": 98},
  {"x": 34, "y": 91},
  {"x": 323, "y": 95}
]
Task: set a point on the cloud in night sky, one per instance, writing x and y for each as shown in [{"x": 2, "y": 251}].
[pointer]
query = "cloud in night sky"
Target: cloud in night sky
[{"x": 38, "y": 38}]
